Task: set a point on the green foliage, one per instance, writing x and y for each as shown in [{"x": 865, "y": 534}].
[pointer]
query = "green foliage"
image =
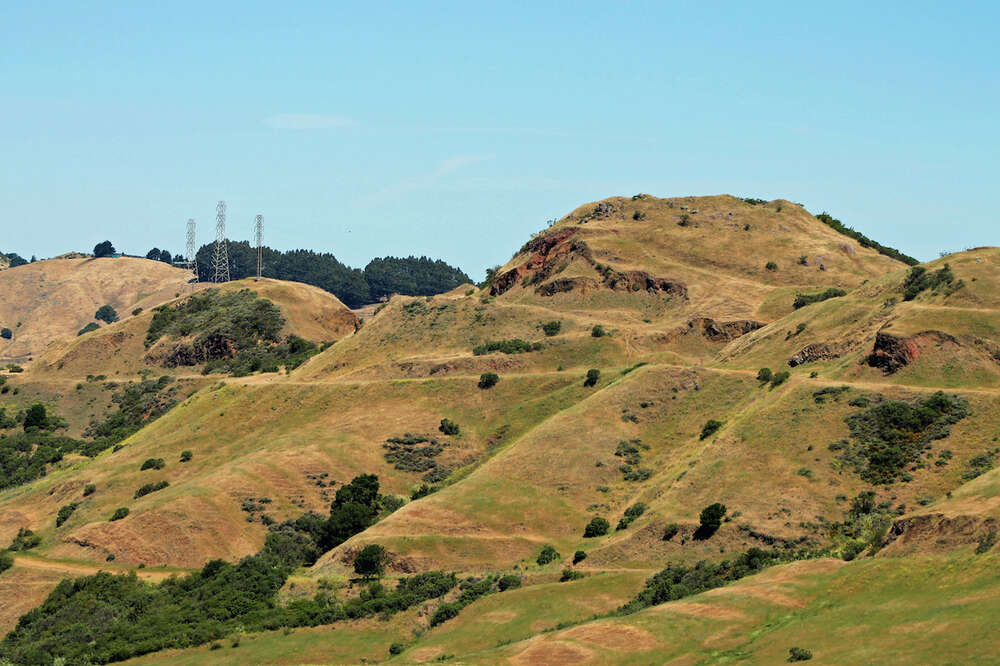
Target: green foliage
[
  {"x": 863, "y": 240},
  {"x": 593, "y": 375},
  {"x": 6, "y": 561},
  {"x": 370, "y": 561},
  {"x": 631, "y": 513},
  {"x": 24, "y": 457},
  {"x": 834, "y": 392},
  {"x": 119, "y": 513},
  {"x": 152, "y": 463},
  {"x": 449, "y": 427},
  {"x": 710, "y": 428},
  {"x": 508, "y": 582},
  {"x": 6, "y": 333},
  {"x": 148, "y": 488},
  {"x": 802, "y": 300},
  {"x": 89, "y": 489},
  {"x": 138, "y": 404},
  {"x": 35, "y": 417},
  {"x": 92, "y": 326},
  {"x": 764, "y": 375},
  {"x": 547, "y": 554},
  {"x": 579, "y": 556},
  {"x": 415, "y": 453},
  {"x": 570, "y": 574},
  {"x": 512, "y": 346},
  {"x": 105, "y": 249},
  {"x": 710, "y": 520},
  {"x": 552, "y": 328},
  {"x": 396, "y": 648},
  {"x": 670, "y": 531},
  {"x": 488, "y": 380},
  {"x": 15, "y": 259},
  {"x": 771, "y": 266},
  {"x": 107, "y": 314},
  {"x": 423, "y": 491},
  {"x": 677, "y": 581},
  {"x": 411, "y": 276},
  {"x": 445, "y": 612},
  {"x": 25, "y": 540},
  {"x": 979, "y": 464},
  {"x": 65, "y": 512},
  {"x": 918, "y": 280},
  {"x": 779, "y": 378},
  {"x": 472, "y": 589},
  {"x": 597, "y": 331},
  {"x": 799, "y": 654},
  {"x": 986, "y": 542},
  {"x": 186, "y": 456},
  {"x": 596, "y": 527},
  {"x": 891, "y": 435}
]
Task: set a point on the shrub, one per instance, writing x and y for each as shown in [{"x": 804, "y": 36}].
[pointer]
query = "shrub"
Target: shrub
[
  {"x": 509, "y": 582},
  {"x": 6, "y": 333},
  {"x": 863, "y": 240},
  {"x": 579, "y": 556},
  {"x": 488, "y": 380},
  {"x": 371, "y": 561},
  {"x": 136, "y": 312},
  {"x": 552, "y": 328},
  {"x": 570, "y": 574},
  {"x": 638, "y": 215},
  {"x": 597, "y": 331},
  {"x": 631, "y": 514},
  {"x": 107, "y": 314},
  {"x": 799, "y": 654},
  {"x": 150, "y": 488},
  {"x": 771, "y": 266},
  {"x": 710, "y": 428},
  {"x": 25, "y": 540},
  {"x": 511, "y": 346},
  {"x": 548, "y": 554},
  {"x": 711, "y": 520},
  {"x": 449, "y": 427},
  {"x": 780, "y": 378},
  {"x": 65, "y": 512},
  {"x": 986, "y": 542},
  {"x": 444, "y": 613},
  {"x": 396, "y": 648},
  {"x": 684, "y": 220},
  {"x": 186, "y": 456},
  {"x": 89, "y": 489},
  {"x": 152, "y": 463},
  {"x": 670, "y": 531},
  {"x": 6, "y": 560},
  {"x": 919, "y": 280},
  {"x": 35, "y": 417},
  {"x": 119, "y": 513},
  {"x": 764, "y": 375},
  {"x": 592, "y": 376},
  {"x": 596, "y": 527},
  {"x": 802, "y": 300}
]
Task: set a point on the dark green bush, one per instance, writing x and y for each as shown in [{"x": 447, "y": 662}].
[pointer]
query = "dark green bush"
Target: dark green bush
[
  {"x": 670, "y": 531},
  {"x": 579, "y": 556},
  {"x": 631, "y": 514},
  {"x": 508, "y": 582},
  {"x": 764, "y": 375},
  {"x": 186, "y": 456},
  {"x": 148, "y": 488},
  {"x": 36, "y": 417},
  {"x": 92, "y": 326},
  {"x": 799, "y": 654},
  {"x": 780, "y": 378},
  {"x": 6, "y": 561},
  {"x": 25, "y": 540},
  {"x": 444, "y": 613},
  {"x": 107, "y": 314},
  {"x": 6, "y": 333},
  {"x": 919, "y": 279},
  {"x": 771, "y": 266},
  {"x": 152, "y": 463},
  {"x": 371, "y": 561},
  {"x": 596, "y": 527},
  {"x": 119, "y": 513},
  {"x": 597, "y": 331},
  {"x": 821, "y": 396},
  {"x": 396, "y": 648},
  {"x": 512, "y": 346},
  {"x": 570, "y": 574},
  {"x": 488, "y": 380},
  {"x": 710, "y": 428},
  {"x": 986, "y": 542},
  {"x": 547, "y": 554},
  {"x": 449, "y": 427},
  {"x": 552, "y": 328},
  {"x": 863, "y": 240},
  {"x": 593, "y": 375},
  {"x": 65, "y": 512},
  {"x": 89, "y": 489},
  {"x": 711, "y": 520},
  {"x": 802, "y": 300}
]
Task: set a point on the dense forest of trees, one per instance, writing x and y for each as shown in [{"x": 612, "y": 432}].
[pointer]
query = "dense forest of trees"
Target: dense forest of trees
[{"x": 411, "y": 276}]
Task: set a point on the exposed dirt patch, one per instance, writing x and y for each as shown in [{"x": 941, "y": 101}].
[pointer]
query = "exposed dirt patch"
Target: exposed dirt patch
[
  {"x": 696, "y": 609},
  {"x": 613, "y": 636},
  {"x": 933, "y": 533},
  {"x": 552, "y": 653}
]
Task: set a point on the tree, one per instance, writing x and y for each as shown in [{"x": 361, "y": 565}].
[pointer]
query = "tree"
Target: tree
[
  {"x": 104, "y": 249},
  {"x": 710, "y": 427},
  {"x": 488, "y": 380},
  {"x": 371, "y": 561},
  {"x": 449, "y": 427},
  {"x": 165, "y": 256},
  {"x": 592, "y": 377},
  {"x": 6, "y": 333},
  {"x": 711, "y": 520},
  {"x": 596, "y": 527},
  {"x": 35, "y": 417},
  {"x": 154, "y": 254},
  {"x": 107, "y": 314},
  {"x": 764, "y": 375}
]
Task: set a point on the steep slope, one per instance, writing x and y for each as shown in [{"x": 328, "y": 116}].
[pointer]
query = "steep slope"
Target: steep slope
[{"x": 51, "y": 300}]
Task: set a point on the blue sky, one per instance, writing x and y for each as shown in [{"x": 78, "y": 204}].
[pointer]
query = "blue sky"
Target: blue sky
[{"x": 456, "y": 129}]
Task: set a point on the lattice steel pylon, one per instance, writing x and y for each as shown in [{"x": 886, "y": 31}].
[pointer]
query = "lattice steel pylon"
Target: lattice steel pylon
[
  {"x": 258, "y": 228},
  {"x": 189, "y": 253},
  {"x": 220, "y": 259}
]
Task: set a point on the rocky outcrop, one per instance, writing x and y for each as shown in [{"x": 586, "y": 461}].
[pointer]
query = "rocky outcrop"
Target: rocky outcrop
[
  {"x": 891, "y": 352},
  {"x": 936, "y": 532},
  {"x": 546, "y": 254},
  {"x": 724, "y": 331},
  {"x": 211, "y": 348},
  {"x": 642, "y": 281},
  {"x": 562, "y": 285},
  {"x": 818, "y": 351}
]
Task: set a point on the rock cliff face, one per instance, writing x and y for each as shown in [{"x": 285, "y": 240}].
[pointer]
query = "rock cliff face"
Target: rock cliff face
[
  {"x": 818, "y": 351},
  {"x": 723, "y": 331},
  {"x": 891, "y": 352}
]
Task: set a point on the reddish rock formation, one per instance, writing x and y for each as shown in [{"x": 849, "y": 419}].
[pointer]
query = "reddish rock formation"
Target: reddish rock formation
[
  {"x": 562, "y": 285},
  {"x": 891, "y": 352}
]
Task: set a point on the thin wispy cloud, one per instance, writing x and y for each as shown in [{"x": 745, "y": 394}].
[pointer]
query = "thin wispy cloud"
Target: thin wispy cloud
[
  {"x": 307, "y": 121},
  {"x": 426, "y": 180}
]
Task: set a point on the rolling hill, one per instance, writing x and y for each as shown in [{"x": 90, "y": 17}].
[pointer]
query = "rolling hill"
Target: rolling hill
[{"x": 628, "y": 340}]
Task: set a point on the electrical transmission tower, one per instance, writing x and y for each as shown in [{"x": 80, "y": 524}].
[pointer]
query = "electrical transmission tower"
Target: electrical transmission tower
[
  {"x": 220, "y": 260},
  {"x": 189, "y": 254},
  {"x": 258, "y": 228}
]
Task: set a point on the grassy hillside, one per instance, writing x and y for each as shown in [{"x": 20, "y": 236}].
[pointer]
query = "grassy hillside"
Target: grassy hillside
[{"x": 627, "y": 341}]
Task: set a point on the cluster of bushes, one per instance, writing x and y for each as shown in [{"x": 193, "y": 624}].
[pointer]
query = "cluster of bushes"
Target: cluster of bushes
[
  {"x": 551, "y": 328},
  {"x": 891, "y": 435},
  {"x": 148, "y": 488},
  {"x": 512, "y": 346},
  {"x": 631, "y": 456},
  {"x": 24, "y": 456},
  {"x": 631, "y": 513},
  {"x": 863, "y": 240},
  {"x": 919, "y": 279},
  {"x": 415, "y": 453},
  {"x": 802, "y": 300},
  {"x": 765, "y": 376},
  {"x": 472, "y": 588},
  {"x": 65, "y": 512},
  {"x": 25, "y": 539},
  {"x": 138, "y": 404},
  {"x": 834, "y": 392},
  {"x": 104, "y": 618},
  {"x": 677, "y": 581}
]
